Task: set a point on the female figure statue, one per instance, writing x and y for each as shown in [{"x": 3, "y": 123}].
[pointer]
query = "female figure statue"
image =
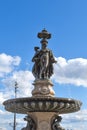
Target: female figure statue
[{"x": 44, "y": 59}]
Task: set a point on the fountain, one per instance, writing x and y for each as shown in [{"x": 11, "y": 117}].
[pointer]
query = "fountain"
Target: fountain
[{"x": 43, "y": 109}]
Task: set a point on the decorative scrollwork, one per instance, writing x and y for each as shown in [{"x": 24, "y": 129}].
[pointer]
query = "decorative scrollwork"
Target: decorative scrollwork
[
  {"x": 31, "y": 125},
  {"x": 55, "y": 123}
]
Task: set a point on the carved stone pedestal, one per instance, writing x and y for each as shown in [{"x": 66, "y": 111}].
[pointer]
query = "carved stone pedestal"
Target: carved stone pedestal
[
  {"x": 43, "y": 121},
  {"x": 43, "y": 88}
]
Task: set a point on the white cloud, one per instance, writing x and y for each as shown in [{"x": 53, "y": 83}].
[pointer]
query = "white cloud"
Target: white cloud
[
  {"x": 1, "y": 112},
  {"x": 7, "y": 63},
  {"x": 7, "y": 120},
  {"x": 2, "y": 128},
  {"x": 4, "y": 96},
  {"x": 4, "y": 113},
  {"x": 73, "y": 71},
  {"x": 77, "y": 116},
  {"x": 24, "y": 80},
  {"x": 76, "y": 120}
]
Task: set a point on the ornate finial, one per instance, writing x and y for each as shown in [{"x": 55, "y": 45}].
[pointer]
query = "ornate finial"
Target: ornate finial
[{"x": 44, "y": 35}]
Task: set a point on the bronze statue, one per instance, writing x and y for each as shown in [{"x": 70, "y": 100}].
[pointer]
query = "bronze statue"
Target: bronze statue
[
  {"x": 43, "y": 60},
  {"x": 36, "y": 68}
]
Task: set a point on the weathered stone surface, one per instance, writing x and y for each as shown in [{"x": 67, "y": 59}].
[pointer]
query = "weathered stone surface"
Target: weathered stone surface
[
  {"x": 43, "y": 120},
  {"x": 43, "y": 88},
  {"x": 39, "y": 104}
]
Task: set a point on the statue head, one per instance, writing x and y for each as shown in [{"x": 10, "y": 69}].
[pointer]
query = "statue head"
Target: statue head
[{"x": 36, "y": 48}]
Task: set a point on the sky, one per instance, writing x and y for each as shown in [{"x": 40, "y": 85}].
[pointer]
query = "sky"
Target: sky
[{"x": 20, "y": 21}]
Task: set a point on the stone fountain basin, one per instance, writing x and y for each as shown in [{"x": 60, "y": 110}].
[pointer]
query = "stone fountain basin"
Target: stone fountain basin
[{"x": 42, "y": 104}]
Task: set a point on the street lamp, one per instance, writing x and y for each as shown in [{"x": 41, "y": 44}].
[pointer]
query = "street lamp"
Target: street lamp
[
  {"x": 16, "y": 86},
  {"x": 15, "y": 124}
]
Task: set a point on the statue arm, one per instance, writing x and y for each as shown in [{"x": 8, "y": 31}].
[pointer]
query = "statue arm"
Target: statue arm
[
  {"x": 52, "y": 58},
  {"x": 34, "y": 59}
]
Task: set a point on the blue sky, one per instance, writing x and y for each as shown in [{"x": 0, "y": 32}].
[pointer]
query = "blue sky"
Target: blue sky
[{"x": 66, "y": 20}]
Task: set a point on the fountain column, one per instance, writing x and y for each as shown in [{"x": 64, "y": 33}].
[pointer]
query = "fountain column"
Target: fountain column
[{"x": 43, "y": 86}]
